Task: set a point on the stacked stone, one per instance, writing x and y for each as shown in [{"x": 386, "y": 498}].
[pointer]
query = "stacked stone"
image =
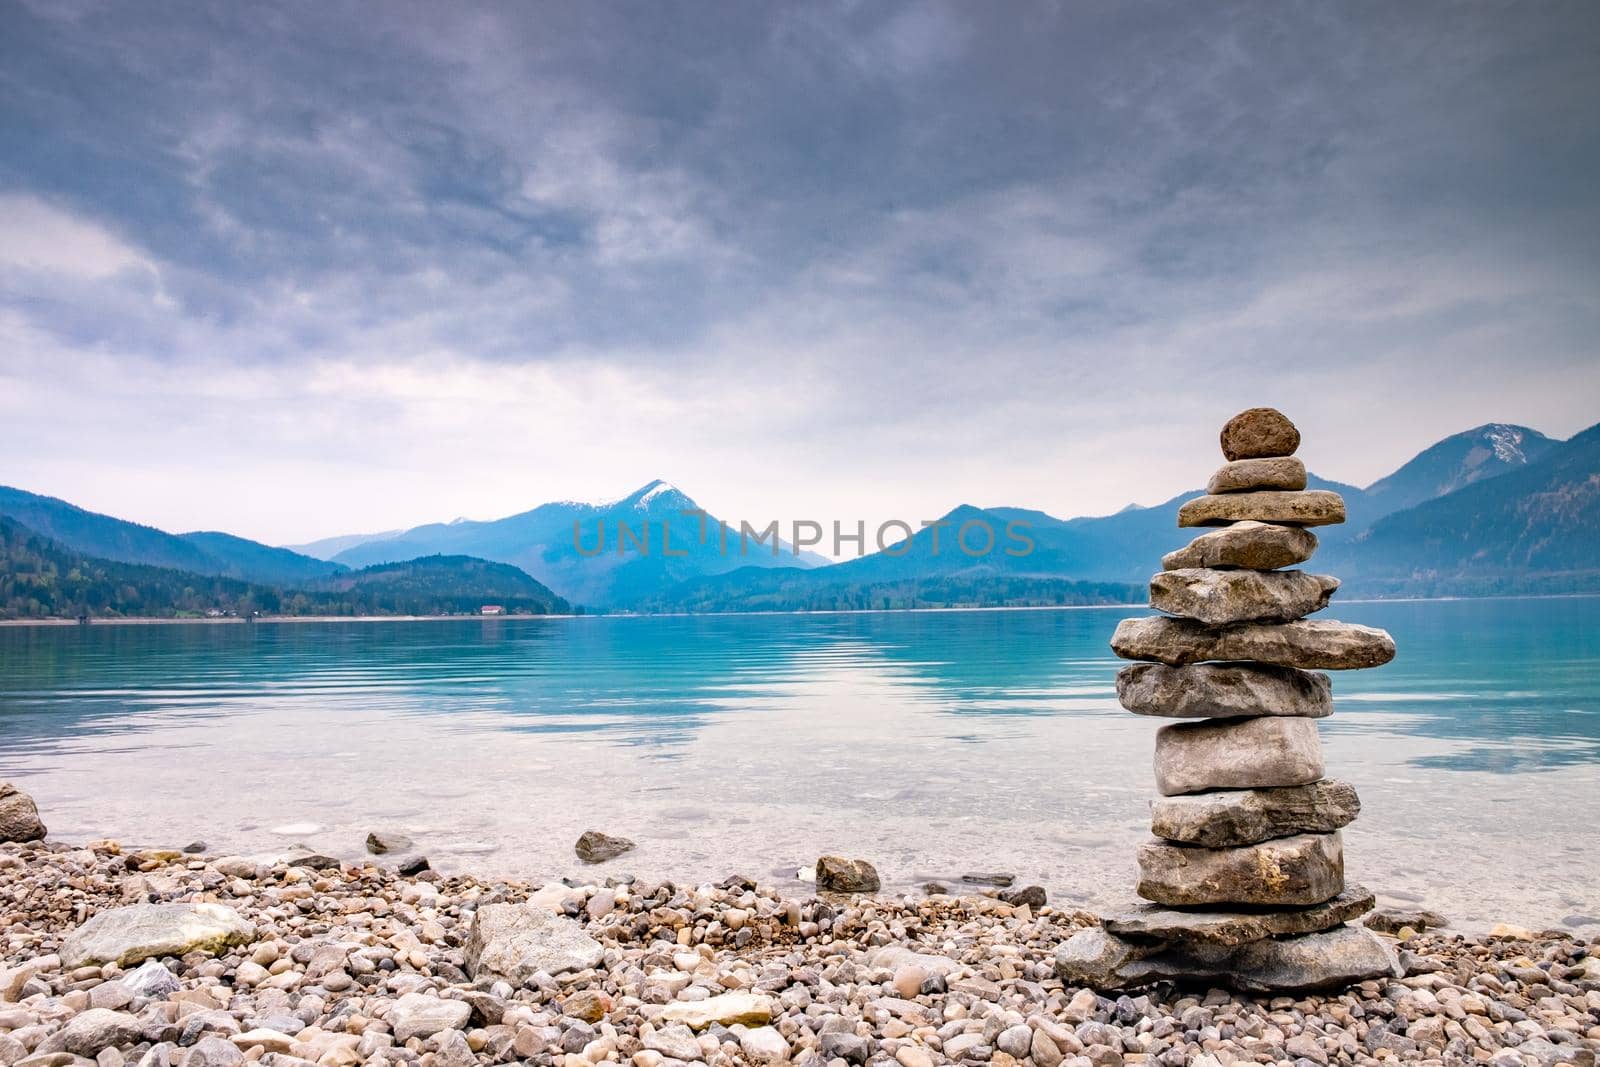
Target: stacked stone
[{"x": 1247, "y": 877}]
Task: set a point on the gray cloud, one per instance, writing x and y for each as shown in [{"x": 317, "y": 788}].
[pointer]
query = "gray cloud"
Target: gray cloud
[{"x": 877, "y": 237}]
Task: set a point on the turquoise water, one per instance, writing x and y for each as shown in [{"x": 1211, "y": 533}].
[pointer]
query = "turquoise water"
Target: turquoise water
[{"x": 933, "y": 743}]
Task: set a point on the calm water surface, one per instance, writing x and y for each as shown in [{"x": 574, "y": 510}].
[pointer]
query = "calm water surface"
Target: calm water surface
[{"x": 933, "y": 743}]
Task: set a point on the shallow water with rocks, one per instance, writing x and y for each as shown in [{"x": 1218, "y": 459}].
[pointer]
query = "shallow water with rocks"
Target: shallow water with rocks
[
  {"x": 935, "y": 744},
  {"x": 110, "y": 956}
]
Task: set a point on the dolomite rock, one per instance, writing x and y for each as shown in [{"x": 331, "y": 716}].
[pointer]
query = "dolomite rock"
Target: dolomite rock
[
  {"x": 840, "y": 875},
  {"x": 1259, "y": 546},
  {"x": 19, "y": 816},
  {"x": 514, "y": 942},
  {"x": 1259, "y": 432},
  {"x": 1336, "y": 957},
  {"x": 751, "y": 1009},
  {"x": 596, "y": 847},
  {"x": 1309, "y": 507},
  {"x": 1153, "y": 923},
  {"x": 423, "y": 1015},
  {"x": 1311, "y": 644},
  {"x": 1245, "y": 816},
  {"x": 1304, "y": 869},
  {"x": 1244, "y": 475},
  {"x": 1237, "y": 754},
  {"x": 1223, "y": 597},
  {"x": 1223, "y": 690},
  {"x": 130, "y": 935}
]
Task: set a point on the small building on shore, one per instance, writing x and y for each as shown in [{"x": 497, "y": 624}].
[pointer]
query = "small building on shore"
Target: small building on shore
[{"x": 492, "y": 609}]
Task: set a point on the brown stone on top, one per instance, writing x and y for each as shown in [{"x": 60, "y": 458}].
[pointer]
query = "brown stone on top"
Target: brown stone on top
[
  {"x": 1256, "y": 433},
  {"x": 1155, "y": 923},
  {"x": 1222, "y": 597},
  {"x": 1307, "y": 507},
  {"x": 1192, "y": 757},
  {"x": 1232, "y": 817},
  {"x": 1223, "y": 690},
  {"x": 1259, "y": 546},
  {"x": 1286, "y": 871},
  {"x": 1324, "y": 645},
  {"x": 1244, "y": 475}
]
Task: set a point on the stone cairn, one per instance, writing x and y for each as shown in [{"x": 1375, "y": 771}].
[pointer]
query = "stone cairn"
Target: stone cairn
[{"x": 1247, "y": 874}]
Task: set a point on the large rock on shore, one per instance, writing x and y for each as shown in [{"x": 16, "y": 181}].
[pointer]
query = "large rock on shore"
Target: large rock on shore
[
  {"x": 1221, "y": 597},
  {"x": 1257, "y": 433},
  {"x": 1308, "y": 507},
  {"x": 1154, "y": 923},
  {"x": 514, "y": 942},
  {"x": 1286, "y": 871},
  {"x": 839, "y": 875},
  {"x": 1223, "y": 690},
  {"x": 19, "y": 816},
  {"x": 130, "y": 935},
  {"x": 1234, "y": 817},
  {"x": 1247, "y": 475},
  {"x": 1193, "y": 757},
  {"x": 1330, "y": 958},
  {"x": 1261, "y": 546},
  {"x": 1311, "y": 644}
]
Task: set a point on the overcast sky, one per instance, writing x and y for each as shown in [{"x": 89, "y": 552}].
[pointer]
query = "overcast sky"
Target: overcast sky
[{"x": 299, "y": 269}]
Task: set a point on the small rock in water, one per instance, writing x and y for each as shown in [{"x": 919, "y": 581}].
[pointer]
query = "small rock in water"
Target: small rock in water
[
  {"x": 382, "y": 841},
  {"x": 1259, "y": 433},
  {"x": 1244, "y": 475},
  {"x": 1220, "y": 598},
  {"x": 839, "y": 875},
  {"x": 596, "y": 847},
  {"x": 194, "y": 848},
  {"x": 1193, "y": 757},
  {"x": 19, "y": 816},
  {"x": 1031, "y": 895},
  {"x": 1393, "y": 920},
  {"x": 1001, "y": 880}
]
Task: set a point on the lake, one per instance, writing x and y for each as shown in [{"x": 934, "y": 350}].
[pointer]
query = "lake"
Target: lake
[{"x": 932, "y": 743}]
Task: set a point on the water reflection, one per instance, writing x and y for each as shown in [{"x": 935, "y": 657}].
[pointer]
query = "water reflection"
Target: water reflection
[{"x": 928, "y": 740}]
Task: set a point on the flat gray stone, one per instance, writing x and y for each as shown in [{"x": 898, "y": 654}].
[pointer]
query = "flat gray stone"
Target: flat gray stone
[
  {"x": 1223, "y": 690},
  {"x": 133, "y": 934},
  {"x": 1153, "y": 923},
  {"x": 1307, "y": 507},
  {"x": 99, "y": 1028},
  {"x": 423, "y": 1015},
  {"x": 1259, "y": 432},
  {"x": 1221, "y": 597},
  {"x": 1246, "y": 475},
  {"x": 1261, "y": 546},
  {"x": 1311, "y": 644},
  {"x": 514, "y": 942},
  {"x": 1286, "y": 871},
  {"x": 1328, "y": 959},
  {"x": 1234, "y": 817},
  {"x": 1193, "y": 757}
]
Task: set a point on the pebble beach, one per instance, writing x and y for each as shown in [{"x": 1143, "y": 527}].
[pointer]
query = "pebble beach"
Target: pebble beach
[{"x": 112, "y": 955}]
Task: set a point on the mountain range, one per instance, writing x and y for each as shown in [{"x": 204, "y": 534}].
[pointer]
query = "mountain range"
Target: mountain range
[{"x": 1496, "y": 509}]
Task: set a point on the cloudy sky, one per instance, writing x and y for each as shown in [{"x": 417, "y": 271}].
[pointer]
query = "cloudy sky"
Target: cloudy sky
[{"x": 298, "y": 269}]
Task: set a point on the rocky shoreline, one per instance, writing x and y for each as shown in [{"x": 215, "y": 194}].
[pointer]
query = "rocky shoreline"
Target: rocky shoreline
[{"x": 116, "y": 956}]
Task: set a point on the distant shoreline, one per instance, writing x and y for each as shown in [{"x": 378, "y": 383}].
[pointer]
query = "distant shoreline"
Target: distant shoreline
[{"x": 299, "y": 619}]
